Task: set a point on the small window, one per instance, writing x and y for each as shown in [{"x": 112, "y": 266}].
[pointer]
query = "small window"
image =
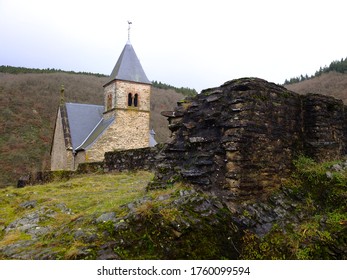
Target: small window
[
  {"x": 109, "y": 102},
  {"x": 136, "y": 99},
  {"x": 130, "y": 99}
]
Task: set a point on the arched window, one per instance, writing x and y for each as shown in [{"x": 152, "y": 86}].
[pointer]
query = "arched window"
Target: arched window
[
  {"x": 109, "y": 102},
  {"x": 130, "y": 99},
  {"x": 136, "y": 99}
]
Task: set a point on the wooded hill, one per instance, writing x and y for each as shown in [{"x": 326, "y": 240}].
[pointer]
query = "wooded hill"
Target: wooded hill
[
  {"x": 28, "y": 105},
  {"x": 329, "y": 80},
  {"x": 339, "y": 66},
  {"x": 331, "y": 83}
]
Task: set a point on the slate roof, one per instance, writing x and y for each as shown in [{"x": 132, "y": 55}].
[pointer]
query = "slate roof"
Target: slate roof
[
  {"x": 83, "y": 119},
  {"x": 128, "y": 67}
]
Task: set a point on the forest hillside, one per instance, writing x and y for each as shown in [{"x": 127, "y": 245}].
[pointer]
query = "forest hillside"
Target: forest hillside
[{"x": 332, "y": 83}]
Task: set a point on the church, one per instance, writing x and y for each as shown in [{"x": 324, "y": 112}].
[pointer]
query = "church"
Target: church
[{"x": 84, "y": 132}]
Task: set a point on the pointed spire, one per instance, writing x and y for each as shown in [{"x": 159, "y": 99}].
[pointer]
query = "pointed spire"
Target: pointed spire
[{"x": 128, "y": 66}]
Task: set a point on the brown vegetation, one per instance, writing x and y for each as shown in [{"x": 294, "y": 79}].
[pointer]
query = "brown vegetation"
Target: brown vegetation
[
  {"x": 28, "y": 104},
  {"x": 332, "y": 84}
]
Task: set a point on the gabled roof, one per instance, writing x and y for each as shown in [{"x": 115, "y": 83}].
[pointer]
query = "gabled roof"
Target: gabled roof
[
  {"x": 128, "y": 67},
  {"x": 82, "y": 118}
]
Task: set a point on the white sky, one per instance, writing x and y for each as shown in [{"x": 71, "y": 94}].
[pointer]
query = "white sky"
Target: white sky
[{"x": 196, "y": 44}]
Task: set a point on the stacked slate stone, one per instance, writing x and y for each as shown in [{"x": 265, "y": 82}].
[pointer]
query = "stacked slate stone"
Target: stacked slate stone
[
  {"x": 324, "y": 127},
  {"x": 239, "y": 140},
  {"x": 134, "y": 159}
]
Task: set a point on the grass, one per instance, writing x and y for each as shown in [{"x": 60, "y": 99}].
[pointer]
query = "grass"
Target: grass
[
  {"x": 166, "y": 221},
  {"x": 87, "y": 195},
  {"x": 84, "y": 198},
  {"x": 321, "y": 200}
]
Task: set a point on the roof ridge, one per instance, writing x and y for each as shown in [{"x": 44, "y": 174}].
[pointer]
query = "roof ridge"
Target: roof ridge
[
  {"x": 86, "y": 104},
  {"x": 80, "y": 147},
  {"x": 89, "y": 134}
]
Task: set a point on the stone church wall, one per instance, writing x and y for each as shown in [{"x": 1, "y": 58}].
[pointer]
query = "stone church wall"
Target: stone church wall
[
  {"x": 130, "y": 130},
  {"x": 59, "y": 155}
]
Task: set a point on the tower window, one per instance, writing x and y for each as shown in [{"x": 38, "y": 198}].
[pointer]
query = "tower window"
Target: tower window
[
  {"x": 133, "y": 100},
  {"x": 109, "y": 102},
  {"x": 130, "y": 99},
  {"x": 136, "y": 99}
]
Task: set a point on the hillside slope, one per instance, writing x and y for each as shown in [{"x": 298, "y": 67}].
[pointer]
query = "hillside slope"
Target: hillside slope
[
  {"x": 332, "y": 84},
  {"x": 28, "y": 104},
  {"x": 111, "y": 216}
]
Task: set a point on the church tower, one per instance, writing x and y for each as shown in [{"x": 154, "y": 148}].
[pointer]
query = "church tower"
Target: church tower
[
  {"x": 127, "y": 99},
  {"x": 84, "y": 132},
  {"x": 127, "y": 102}
]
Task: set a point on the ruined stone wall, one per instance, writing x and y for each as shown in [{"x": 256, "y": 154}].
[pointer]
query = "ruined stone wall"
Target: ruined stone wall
[
  {"x": 137, "y": 159},
  {"x": 115, "y": 161},
  {"x": 324, "y": 127},
  {"x": 239, "y": 140}
]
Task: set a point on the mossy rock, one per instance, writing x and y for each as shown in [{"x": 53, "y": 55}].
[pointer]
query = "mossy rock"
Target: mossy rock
[{"x": 183, "y": 224}]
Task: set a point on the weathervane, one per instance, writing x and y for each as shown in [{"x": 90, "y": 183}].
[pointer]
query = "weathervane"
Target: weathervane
[{"x": 129, "y": 22}]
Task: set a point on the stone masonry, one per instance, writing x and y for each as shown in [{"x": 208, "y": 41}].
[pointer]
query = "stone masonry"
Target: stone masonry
[
  {"x": 61, "y": 152},
  {"x": 239, "y": 140}
]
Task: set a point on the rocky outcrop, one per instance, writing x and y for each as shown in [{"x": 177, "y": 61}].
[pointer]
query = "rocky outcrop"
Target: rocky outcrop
[
  {"x": 182, "y": 224},
  {"x": 239, "y": 140}
]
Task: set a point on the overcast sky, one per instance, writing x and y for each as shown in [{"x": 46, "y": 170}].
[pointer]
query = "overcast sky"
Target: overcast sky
[{"x": 196, "y": 44}]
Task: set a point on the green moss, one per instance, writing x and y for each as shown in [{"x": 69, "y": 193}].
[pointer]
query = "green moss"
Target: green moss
[
  {"x": 320, "y": 200},
  {"x": 286, "y": 94},
  {"x": 259, "y": 96},
  {"x": 172, "y": 228},
  {"x": 107, "y": 226},
  {"x": 276, "y": 245}
]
